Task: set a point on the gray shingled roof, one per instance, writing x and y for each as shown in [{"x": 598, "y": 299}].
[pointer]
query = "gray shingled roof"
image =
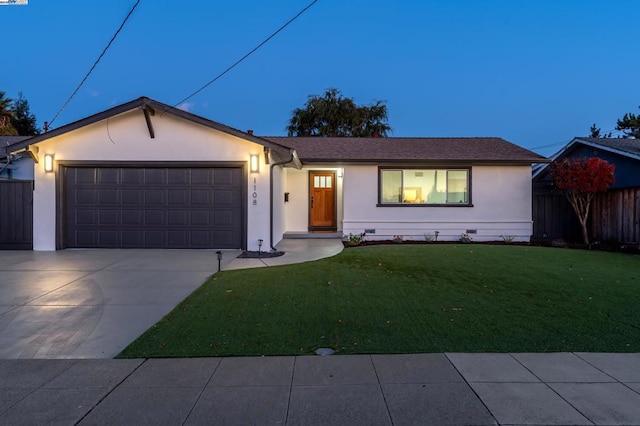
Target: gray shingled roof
[
  {"x": 142, "y": 103},
  {"x": 319, "y": 149},
  {"x": 10, "y": 140},
  {"x": 631, "y": 146}
]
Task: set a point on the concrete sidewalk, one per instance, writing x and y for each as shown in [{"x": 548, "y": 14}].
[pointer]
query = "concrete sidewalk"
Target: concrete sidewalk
[{"x": 424, "y": 389}]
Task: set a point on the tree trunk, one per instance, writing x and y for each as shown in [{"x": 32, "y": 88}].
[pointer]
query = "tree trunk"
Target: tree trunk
[
  {"x": 585, "y": 232},
  {"x": 581, "y": 206}
]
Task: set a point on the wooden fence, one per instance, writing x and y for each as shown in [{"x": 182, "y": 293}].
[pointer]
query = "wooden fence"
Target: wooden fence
[
  {"x": 615, "y": 216},
  {"x": 16, "y": 214}
]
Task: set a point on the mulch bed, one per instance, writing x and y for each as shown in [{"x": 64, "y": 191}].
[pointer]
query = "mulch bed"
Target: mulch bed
[
  {"x": 260, "y": 254},
  {"x": 612, "y": 247}
]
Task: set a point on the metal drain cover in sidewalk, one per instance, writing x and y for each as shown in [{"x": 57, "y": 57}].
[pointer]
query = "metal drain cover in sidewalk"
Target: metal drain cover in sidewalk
[{"x": 324, "y": 351}]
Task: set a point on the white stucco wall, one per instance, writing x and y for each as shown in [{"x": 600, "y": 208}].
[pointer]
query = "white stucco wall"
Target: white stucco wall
[
  {"x": 296, "y": 211},
  {"x": 501, "y": 197},
  {"x": 126, "y": 138},
  {"x": 279, "y": 183}
]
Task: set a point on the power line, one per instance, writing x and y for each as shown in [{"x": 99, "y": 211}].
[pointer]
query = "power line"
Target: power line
[
  {"x": 95, "y": 63},
  {"x": 566, "y": 142},
  {"x": 550, "y": 145},
  {"x": 248, "y": 54}
]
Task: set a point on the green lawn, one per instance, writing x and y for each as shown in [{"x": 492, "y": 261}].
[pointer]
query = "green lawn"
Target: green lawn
[{"x": 411, "y": 298}]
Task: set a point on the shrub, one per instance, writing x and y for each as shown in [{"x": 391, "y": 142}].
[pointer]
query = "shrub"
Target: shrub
[
  {"x": 508, "y": 239},
  {"x": 355, "y": 239},
  {"x": 465, "y": 238}
]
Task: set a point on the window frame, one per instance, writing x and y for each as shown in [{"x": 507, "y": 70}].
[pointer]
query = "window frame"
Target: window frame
[{"x": 402, "y": 169}]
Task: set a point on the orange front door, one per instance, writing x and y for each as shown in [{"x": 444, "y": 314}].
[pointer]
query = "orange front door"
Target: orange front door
[{"x": 322, "y": 201}]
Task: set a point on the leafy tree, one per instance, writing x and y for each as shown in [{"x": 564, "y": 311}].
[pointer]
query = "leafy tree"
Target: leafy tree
[
  {"x": 23, "y": 120},
  {"x": 580, "y": 181},
  {"x": 629, "y": 125},
  {"x": 335, "y": 115},
  {"x": 595, "y": 131},
  {"x": 6, "y": 116}
]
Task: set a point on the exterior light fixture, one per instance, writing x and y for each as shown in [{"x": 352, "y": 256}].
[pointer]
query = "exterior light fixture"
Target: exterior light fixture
[
  {"x": 219, "y": 253},
  {"x": 48, "y": 163},
  {"x": 260, "y": 241},
  {"x": 254, "y": 163}
]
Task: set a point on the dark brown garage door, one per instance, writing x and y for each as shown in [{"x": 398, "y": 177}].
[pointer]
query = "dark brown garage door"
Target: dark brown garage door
[{"x": 153, "y": 207}]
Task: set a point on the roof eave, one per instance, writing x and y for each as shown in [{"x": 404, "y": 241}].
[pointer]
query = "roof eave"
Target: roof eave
[
  {"x": 142, "y": 103},
  {"x": 526, "y": 161},
  {"x": 608, "y": 148},
  {"x": 577, "y": 140}
]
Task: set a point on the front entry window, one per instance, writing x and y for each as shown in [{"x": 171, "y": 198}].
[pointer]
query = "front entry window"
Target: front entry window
[{"x": 322, "y": 182}]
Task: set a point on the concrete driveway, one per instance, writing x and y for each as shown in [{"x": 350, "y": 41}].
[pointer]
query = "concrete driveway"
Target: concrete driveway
[{"x": 92, "y": 303}]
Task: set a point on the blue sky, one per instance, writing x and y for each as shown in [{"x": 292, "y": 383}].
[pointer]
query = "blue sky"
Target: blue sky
[{"x": 534, "y": 72}]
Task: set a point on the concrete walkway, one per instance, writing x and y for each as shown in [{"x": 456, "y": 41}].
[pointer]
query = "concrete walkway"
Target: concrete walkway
[
  {"x": 295, "y": 251},
  {"x": 418, "y": 389}
]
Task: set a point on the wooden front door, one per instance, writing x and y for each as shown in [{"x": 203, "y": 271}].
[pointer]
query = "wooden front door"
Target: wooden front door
[{"x": 322, "y": 201}]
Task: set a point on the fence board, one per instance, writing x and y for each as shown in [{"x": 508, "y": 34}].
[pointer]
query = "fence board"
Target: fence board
[
  {"x": 16, "y": 214},
  {"x": 616, "y": 216}
]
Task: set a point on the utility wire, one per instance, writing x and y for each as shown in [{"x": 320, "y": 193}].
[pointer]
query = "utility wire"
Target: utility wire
[
  {"x": 248, "y": 54},
  {"x": 96, "y": 62},
  {"x": 566, "y": 142},
  {"x": 550, "y": 145}
]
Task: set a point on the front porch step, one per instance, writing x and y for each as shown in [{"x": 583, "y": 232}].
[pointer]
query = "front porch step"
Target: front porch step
[{"x": 312, "y": 235}]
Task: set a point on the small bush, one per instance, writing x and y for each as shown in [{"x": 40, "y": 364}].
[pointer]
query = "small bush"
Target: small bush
[
  {"x": 508, "y": 239},
  {"x": 465, "y": 238},
  {"x": 398, "y": 239},
  {"x": 429, "y": 237},
  {"x": 355, "y": 239}
]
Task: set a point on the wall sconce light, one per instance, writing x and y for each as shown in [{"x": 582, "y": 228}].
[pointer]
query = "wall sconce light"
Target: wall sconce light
[
  {"x": 254, "y": 163},
  {"x": 48, "y": 163}
]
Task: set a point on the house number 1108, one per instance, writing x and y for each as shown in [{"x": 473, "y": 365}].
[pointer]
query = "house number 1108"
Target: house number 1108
[{"x": 255, "y": 194}]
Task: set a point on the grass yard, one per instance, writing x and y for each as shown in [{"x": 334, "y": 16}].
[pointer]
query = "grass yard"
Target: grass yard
[{"x": 411, "y": 298}]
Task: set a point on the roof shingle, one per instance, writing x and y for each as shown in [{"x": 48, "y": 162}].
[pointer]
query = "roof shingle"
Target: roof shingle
[
  {"x": 475, "y": 149},
  {"x": 629, "y": 145}
]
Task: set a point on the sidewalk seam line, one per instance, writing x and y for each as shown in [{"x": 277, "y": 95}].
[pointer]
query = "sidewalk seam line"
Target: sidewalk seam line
[
  {"x": 472, "y": 389},
  {"x": 552, "y": 389},
  {"x": 202, "y": 391},
  {"x": 384, "y": 397},
  {"x": 37, "y": 389},
  {"x": 599, "y": 369},
  {"x": 293, "y": 372},
  {"x": 110, "y": 392}
]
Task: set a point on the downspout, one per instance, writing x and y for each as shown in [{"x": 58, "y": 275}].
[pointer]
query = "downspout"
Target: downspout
[{"x": 277, "y": 163}]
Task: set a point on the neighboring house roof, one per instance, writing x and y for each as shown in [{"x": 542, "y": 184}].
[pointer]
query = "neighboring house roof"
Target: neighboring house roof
[
  {"x": 143, "y": 103},
  {"x": 626, "y": 147},
  {"x": 393, "y": 150},
  {"x": 6, "y": 141}
]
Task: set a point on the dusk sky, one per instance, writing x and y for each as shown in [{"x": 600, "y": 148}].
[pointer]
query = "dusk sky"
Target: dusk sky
[{"x": 535, "y": 72}]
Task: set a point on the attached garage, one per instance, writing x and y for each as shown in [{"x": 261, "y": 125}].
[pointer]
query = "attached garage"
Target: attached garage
[
  {"x": 147, "y": 175},
  {"x": 163, "y": 206}
]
